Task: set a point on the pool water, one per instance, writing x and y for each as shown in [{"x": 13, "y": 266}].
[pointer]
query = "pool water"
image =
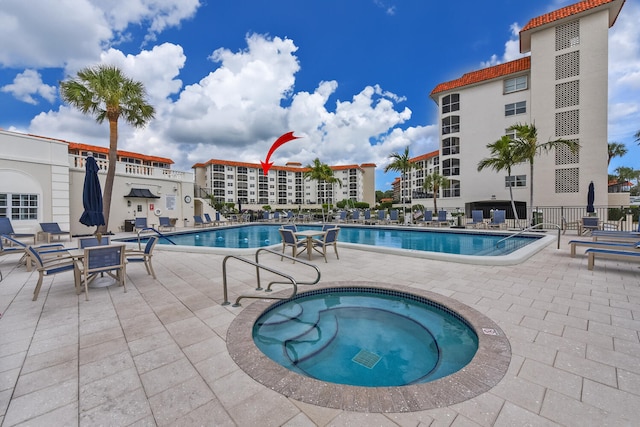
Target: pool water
[
  {"x": 365, "y": 337},
  {"x": 460, "y": 242}
]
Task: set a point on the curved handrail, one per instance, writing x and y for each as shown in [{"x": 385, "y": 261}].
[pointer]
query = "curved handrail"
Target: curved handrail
[
  {"x": 530, "y": 229},
  {"x": 289, "y": 257},
  {"x": 162, "y": 236}
]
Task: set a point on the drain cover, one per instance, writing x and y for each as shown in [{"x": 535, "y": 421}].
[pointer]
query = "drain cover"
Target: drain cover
[{"x": 366, "y": 359}]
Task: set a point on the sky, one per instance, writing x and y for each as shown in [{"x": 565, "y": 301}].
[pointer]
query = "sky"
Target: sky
[{"x": 351, "y": 78}]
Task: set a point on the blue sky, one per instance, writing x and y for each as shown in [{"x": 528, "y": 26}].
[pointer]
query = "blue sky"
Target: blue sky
[{"x": 227, "y": 78}]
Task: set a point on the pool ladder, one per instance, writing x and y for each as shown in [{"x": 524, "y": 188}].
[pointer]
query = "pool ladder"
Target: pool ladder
[{"x": 259, "y": 267}]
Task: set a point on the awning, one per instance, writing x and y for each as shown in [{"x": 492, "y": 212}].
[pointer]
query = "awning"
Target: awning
[{"x": 142, "y": 193}]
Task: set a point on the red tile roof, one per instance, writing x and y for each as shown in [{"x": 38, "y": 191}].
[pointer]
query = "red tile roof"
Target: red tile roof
[
  {"x": 74, "y": 146},
  {"x": 485, "y": 74},
  {"x": 614, "y": 7},
  {"x": 424, "y": 156}
]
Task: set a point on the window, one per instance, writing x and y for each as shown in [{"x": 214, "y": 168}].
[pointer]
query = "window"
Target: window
[
  {"x": 450, "y": 146},
  {"x": 450, "y": 103},
  {"x": 450, "y": 124},
  {"x": 512, "y": 134},
  {"x": 453, "y": 190},
  {"x": 451, "y": 167},
  {"x": 515, "y": 181},
  {"x": 515, "y": 108},
  {"x": 515, "y": 84},
  {"x": 19, "y": 206}
]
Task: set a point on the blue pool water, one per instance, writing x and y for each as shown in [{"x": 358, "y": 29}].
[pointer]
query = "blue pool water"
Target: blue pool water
[
  {"x": 450, "y": 242},
  {"x": 365, "y": 337}
]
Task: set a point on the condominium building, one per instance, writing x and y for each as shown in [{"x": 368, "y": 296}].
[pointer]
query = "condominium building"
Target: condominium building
[
  {"x": 561, "y": 88},
  {"x": 284, "y": 187}
]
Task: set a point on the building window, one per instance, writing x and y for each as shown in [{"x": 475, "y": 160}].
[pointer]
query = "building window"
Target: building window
[
  {"x": 19, "y": 206},
  {"x": 450, "y": 124},
  {"x": 515, "y": 84},
  {"x": 515, "y": 181},
  {"x": 515, "y": 108},
  {"x": 450, "y": 103},
  {"x": 512, "y": 134},
  {"x": 453, "y": 190},
  {"x": 450, "y": 146},
  {"x": 451, "y": 167}
]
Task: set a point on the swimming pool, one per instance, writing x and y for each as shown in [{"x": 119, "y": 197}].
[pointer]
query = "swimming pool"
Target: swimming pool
[{"x": 469, "y": 246}]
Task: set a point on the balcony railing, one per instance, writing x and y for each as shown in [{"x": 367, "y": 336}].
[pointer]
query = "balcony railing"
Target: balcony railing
[{"x": 124, "y": 168}]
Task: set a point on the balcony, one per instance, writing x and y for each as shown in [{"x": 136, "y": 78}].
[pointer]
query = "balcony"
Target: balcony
[{"x": 133, "y": 169}]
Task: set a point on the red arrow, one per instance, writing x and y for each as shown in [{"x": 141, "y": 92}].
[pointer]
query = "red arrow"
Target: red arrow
[{"x": 266, "y": 165}]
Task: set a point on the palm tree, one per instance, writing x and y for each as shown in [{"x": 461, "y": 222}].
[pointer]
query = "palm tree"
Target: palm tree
[
  {"x": 321, "y": 172},
  {"x": 616, "y": 149},
  {"x": 625, "y": 174},
  {"x": 401, "y": 163},
  {"x": 637, "y": 136},
  {"x": 433, "y": 183},
  {"x": 105, "y": 93},
  {"x": 526, "y": 148},
  {"x": 502, "y": 158}
]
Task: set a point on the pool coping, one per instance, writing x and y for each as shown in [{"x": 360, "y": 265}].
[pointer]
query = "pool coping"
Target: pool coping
[
  {"x": 513, "y": 258},
  {"x": 486, "y": 369}
]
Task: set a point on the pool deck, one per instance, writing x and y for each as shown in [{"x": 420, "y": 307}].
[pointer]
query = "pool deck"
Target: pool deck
[{"x": 157, "y": 354}]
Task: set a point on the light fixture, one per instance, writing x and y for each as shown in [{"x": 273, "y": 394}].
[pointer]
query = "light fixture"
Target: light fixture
[{"x": 128, "y": 203}]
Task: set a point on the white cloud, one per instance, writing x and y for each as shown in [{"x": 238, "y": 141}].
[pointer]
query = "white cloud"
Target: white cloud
[
  {"x": 511, "y": 49},
  {"x": 27, "y": 84}
]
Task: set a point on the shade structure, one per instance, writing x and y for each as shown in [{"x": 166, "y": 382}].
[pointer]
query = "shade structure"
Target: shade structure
[
  {"x": 591, "y": 195},
  {"x": 92, "y": 196}
]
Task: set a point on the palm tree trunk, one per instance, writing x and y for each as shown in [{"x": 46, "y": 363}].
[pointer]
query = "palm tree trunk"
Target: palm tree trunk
[{"x": 111, "y": 172}]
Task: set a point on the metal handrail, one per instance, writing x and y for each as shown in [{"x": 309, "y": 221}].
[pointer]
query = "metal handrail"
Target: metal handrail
[
  {"x": 531, "y": 229},
  {"x": 162, "y": 236},
  {"x": 269, "y": 269},
  {"x": 289, "y": 257}
]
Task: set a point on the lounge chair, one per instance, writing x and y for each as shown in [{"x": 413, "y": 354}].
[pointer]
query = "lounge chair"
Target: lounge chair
[
  {"x": 143, "y": 256},
  {"x": 342, "y": 216},
  {"x": 355, "y": 217},
  {"x": 427, "y": 218},
  {"x": 604, "y": 245},
  {"x": 477, "y": 219},
  {"x": 49, "y": 267},
  {"x": 208, "y": 220},
  {"x": 593, "y": 253},
  {"x": 367, "y": 217},
  {"x": 499, "y": 219},
  {"x": 140, "y": 224},
  {"x": 394, "y": 216},
  {"x": 102, "y": 259},
  {"x": 197, "y": 221},
  {"x": 382, "y": 217},
  {"x": 6, "y": 229},
  {"x": 52, "y": 229},
  {"x": 289, "y": 240},
  {"x": 442, "y": 219},
  {"x": 330, "y": 238},
  {"x": 615, "y": 236},
  {"x": 165, "y": 224}
]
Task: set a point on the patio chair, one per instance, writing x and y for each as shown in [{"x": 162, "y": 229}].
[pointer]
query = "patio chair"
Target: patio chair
[
  {"x": 427, "y": 218},
  {"x": 382, "y": 217},
  {"x": 52, "y": 229},
  {"x": 625, "y": 246},
  {"x": 342, "y": 216},
  {"x": 477, "y": 220},
  {"x": 197, "y": 221},
  {"x": 143, "y": 256},
  {"x": 140, "y": 224},
  {"x": 355, "y": 217},
  {"x": 207, "y": 219},
  {"x": 593, "y": 253},
  {"x": 6, "y": 229},
  {"x": 289, "y": 240},
  {"x": 165, "y": 224},
  {"x": 49, "y": 267},
  {"x": 499, "y": 219},
  {"x": 291, "y": 227},
  {"x": 276, "y": 216},
  {"x": 18, "y": 247},
  {"x": 330, "y": 238},
  {"x": 102, "y": 259},
  {"x": 367, "y": 217},
  {"x": 588, "y": 225},
  {"x": 86, "y": 242},
  {"x": 442, "y": 219}
]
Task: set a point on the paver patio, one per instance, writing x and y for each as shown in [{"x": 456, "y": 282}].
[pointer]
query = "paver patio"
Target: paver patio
[{"x": 157, "y": 354}]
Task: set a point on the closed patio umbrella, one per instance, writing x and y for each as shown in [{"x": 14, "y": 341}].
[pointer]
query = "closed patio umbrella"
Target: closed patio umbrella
[
  {"x": 92, "y": 196},
  {"x": 590, "y": 198}
]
